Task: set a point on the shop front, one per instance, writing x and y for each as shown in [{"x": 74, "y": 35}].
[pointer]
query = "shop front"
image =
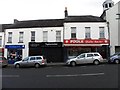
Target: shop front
[
  {"x": 14, "y": 52},
  {"x": 53, "y": 51},
  {"x": 76, "y": 47}
]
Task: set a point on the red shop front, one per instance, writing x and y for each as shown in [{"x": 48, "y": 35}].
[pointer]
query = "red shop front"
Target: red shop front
[{"x": 74, "y": 47}]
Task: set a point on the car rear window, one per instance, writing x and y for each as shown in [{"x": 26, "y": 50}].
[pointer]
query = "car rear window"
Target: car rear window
[
  {"x": 96, "y": 55},
  {"x": 37, "y": 58}
]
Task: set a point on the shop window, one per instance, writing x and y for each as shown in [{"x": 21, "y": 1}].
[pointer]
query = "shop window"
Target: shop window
[
  {"x": 58, "y": 36},
  {"x": 87, "y": 33},
  {"x": 73, "y": 32},
  {"x": 32, "y": 35},
  {"x": 117, "y": 49},
  {"x": 9, "y": 37},
  {"x": 21, "y": 37},
  {"x": 45, "y": 36},
  {"x": 102, "y": 32}
]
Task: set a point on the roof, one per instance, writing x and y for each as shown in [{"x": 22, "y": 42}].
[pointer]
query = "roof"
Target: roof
[
  {"x": 54, "y": 22},
  {"x": 37, "y": 23},
  {"x": 87, "y": 18}
]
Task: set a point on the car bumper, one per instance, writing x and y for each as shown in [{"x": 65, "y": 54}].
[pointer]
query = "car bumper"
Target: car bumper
[{"x": 104, "y": 61}]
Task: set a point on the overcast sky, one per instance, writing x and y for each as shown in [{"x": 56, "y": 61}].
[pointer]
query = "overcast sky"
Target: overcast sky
[{"x": 47, "y": 9}]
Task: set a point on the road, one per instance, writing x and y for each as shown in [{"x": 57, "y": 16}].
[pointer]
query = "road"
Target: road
[{"x": 83, "y": 76}]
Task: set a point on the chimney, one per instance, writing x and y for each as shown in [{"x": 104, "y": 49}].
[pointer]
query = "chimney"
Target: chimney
[
  {"x": 15, "y": 21},
  {"x": 66, "y": 12}
]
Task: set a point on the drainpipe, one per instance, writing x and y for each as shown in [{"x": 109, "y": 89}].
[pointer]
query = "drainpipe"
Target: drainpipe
[{"x": 108, "y": 48}]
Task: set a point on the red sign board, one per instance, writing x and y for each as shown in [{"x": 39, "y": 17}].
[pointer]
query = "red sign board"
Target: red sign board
[{"x": 91, "y": 41}]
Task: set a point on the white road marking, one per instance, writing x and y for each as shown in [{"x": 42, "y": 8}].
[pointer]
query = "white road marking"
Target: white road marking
[
  {"x": 9, "y": 76},
  {"x": 76, "y": 75}
]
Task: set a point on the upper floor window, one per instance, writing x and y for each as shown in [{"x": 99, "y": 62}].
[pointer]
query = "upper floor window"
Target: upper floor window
[
  {"x": 106, "y": 5},
  {"x": 32, "y": 35},
  {"x": 87, "y": 33},
  {"x": 21, "y": 36},
  {"x": 10, "y": 37},
  {"x": 58, "y": 36},
  {"x": 45, "y": 36},
  {"x": 102, "y": 32},
  {"x": 73, "y": 32},
  {"x": 110, "y": 4},
  {"x": 0, "y": 41}
]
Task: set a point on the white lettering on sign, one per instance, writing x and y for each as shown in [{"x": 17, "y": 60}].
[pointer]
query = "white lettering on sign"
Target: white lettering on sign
[{"x": 75, "y": 41}]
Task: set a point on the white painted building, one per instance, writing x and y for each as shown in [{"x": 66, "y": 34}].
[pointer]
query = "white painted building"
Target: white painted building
[
  {"x": 114, "y": 26},
  {"x": 112, "y": 16},
  {"x": 19, "y": 35},
  {"x": 85, "y": 34},
  {"x": 57, "y": 39}
]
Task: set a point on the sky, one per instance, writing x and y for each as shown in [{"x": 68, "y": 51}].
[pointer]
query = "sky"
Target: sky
[{"x": 47, "y": 9}]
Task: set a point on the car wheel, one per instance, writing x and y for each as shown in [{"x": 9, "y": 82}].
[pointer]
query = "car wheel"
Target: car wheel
[
  {"x": 117, "y": 61},
  {"x": 96, "y": 62},
  {"x": 17, "y": 66},
  {"x": 37, "y": 65},
  {"x": 73, "y": 64}
]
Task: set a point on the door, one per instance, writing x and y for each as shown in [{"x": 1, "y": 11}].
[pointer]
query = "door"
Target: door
[
  {"x": 31, "y": 61},
  {"x": 24, "y": 62},
  {"x": 81, "y": 59},
  {"x": 89, "y": 58}
]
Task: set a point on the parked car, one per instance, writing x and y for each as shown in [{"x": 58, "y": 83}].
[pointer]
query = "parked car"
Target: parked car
[
  {"x": 3, "y": 61},
  {"x": 85, "y": 58},
  {"x": 35, "y": 61},
  {"x": 115, "y": 58}
]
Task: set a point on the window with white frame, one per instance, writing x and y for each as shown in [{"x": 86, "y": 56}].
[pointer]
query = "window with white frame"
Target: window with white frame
[
  {"x": 9, "y": 37},
  {"x": 73, "y": 32},
  {"x": 0, "y": 41},
  {"x": 87, "y": 33},
  {"x": 102, "y": 32},
  {"x": 21, "y": 36},
  {"x": 58, "y": 36},
  {"x": 32, "y": 35},
  {"x": 45, "y": 36}
]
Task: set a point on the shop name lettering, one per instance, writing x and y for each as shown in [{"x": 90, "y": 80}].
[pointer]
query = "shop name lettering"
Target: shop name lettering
[
  {"x": 50, "y": 44},
  {"x": 85, "y": 41}
]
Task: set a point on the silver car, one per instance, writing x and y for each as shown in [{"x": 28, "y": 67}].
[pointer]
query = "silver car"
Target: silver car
[
  {"x": 35, "y": 61},
  {"x": 85, "y": 58}
]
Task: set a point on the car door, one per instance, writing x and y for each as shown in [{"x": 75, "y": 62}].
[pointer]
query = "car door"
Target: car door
[
  {"x": 80, "y": 59},
  {"x": 89, "y": 58},
  {"x": 24, "y": 62},
  {"x": 31, "y": 61}
]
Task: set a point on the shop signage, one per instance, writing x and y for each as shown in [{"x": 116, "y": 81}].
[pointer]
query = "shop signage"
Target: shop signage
[
  {"x": 15, "y": 46},
  {"x": 45, "y": 44},
  {"x": 91, "y": 41}
]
